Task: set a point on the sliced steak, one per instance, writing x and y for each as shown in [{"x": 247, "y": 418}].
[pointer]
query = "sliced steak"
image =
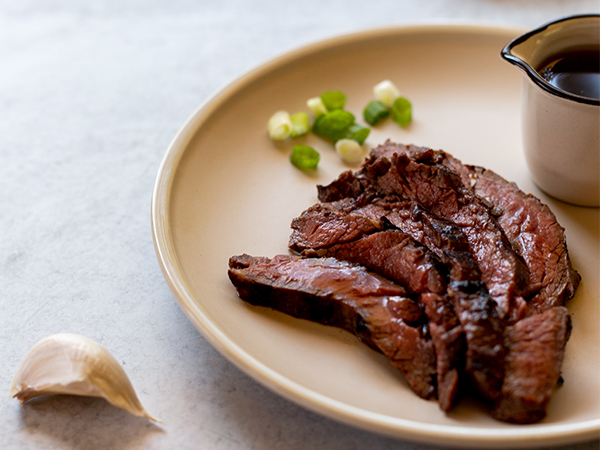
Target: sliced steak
[
  {"x": 441, "y": 192},
  {"x": 535, "y": 348},
  {"x": 534, "y": 233},
  {"x": 441, "y": 236},
  {"x": 313, "y": 228},
  {"x": 529, "y": 225},
  {"x": 484, "y": 336},
  {"x": 475, "y": 309},
  {"x": 343, "y": 295},
  {"x": 347, "y": 185},
  {"x": 449, "y": 342},
  {"x": 321, "y": 226},
  {"x": 476, "y": 270},
  {"x": 467, "y": 295},
  {"x": 395, "y": 255}
]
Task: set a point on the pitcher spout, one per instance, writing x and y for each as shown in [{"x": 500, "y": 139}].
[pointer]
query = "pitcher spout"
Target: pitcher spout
[{"x": 537, "y": 52}]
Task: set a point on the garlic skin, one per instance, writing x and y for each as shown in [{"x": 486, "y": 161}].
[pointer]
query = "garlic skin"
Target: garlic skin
[{"x": 71, "y": 364}]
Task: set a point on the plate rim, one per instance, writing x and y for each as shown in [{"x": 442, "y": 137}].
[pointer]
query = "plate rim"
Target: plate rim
[{"x": 523, "y": 436}]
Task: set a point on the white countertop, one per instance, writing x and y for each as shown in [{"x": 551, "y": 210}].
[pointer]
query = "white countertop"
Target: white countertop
[{"x": 91, "y": 94}]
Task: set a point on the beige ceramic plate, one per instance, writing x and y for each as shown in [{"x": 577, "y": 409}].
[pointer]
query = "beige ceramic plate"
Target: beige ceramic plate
[{"x": 224, "y": 188}]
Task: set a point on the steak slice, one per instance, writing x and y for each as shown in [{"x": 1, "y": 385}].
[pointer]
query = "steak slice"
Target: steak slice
[
  {"x": 347, "y": 185},
  {"x": 476, "y": 311},
  {"x": 395, "y": 255},
  {"x": 443, "y": 238},
  {"x": 536, "y": 235},
  {"x": 448, "y": 339},
  {"x": 321, "y": 226},
  {"x": 484, "y": 337},
  {"x": 343, "y": 295},
  {"x": 535, "y": 347}
]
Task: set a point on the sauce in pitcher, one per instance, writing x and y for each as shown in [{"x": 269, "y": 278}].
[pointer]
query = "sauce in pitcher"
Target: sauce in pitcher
[{"x": 577, "y": 72}]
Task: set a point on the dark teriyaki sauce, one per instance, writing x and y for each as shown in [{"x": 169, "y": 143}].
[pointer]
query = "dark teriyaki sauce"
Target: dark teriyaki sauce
[{"x": 577, "y": 72}]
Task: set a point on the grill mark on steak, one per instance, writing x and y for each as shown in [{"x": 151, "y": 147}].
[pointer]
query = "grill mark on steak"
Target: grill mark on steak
[
  {"x": 343, "y": 295},
  {"x": 330, "y": 223},
  {"x": 443, "y": 238},
  {"x": 484, "y": 332},
  {"x": 448, "y": 339},
  {"x": 535, "y": 347}
]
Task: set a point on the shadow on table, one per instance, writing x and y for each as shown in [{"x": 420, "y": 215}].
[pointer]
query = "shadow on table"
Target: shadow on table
[{"x": 85, "y": 422}]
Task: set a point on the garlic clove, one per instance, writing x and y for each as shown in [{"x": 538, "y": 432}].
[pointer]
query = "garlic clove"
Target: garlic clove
[{"x": 72, "y": 364}]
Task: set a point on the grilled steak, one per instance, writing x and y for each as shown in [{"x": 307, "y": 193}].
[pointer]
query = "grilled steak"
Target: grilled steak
[
  {"x": 347, "y": 185},
  {"x": 395, "y": 255},
  {"x": 536, "y": 236},
  {"x": 345, "y": 219},
  {"x": 447, "y": 269},
  {"x": 529, "y": 225},
  {"x": 400, "y": 258},
  {"x": 440, "y": 191},
  {"x": 321, "y": 226},
  {"x": 476, "y": 311},
  {"x": 443, "y": 238},
  {"x": 535, "y": 347},
  {"x": 343, "y": 295},
  {"x": 449, "y": 343}
]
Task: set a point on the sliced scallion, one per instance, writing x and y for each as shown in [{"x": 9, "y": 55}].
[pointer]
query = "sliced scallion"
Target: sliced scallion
[
  {"x": 357, "y": 132},
  {"x": 402, "y": 111},
  {"x": 350, "y": 151},
  {"x": 386, "y": 92},
  {"x": 334, "y": 100},
  {"x": 300, "y": 124},
  {"x": 333, "y": 125},
  {"x": 279, "y": 126},
  {"x": 375, "y": 111},
  {"x": 304, "y": 157},
  {"x": 317, "y": 106}
]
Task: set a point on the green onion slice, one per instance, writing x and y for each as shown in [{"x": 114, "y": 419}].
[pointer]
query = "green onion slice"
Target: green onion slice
[
  {"x": 386, "y": 92},
  {"x": 279, "y": 126},
  {"x": 375, "y": 111},
  {"x": 299, "y": 124},
  {"x": 304, "y": 157},
  {"x": 402, "y": 111},
  {"x": 316, "y": 106},
  {"x": 350, "y": 151},
  {"x": 334, "y": 100},
  {"x": 333, "y": 125},
  {"x": 357, "y": 132}
]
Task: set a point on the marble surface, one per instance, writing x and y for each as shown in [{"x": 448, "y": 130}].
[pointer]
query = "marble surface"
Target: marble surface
[{"x": 91, "y": 93}]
